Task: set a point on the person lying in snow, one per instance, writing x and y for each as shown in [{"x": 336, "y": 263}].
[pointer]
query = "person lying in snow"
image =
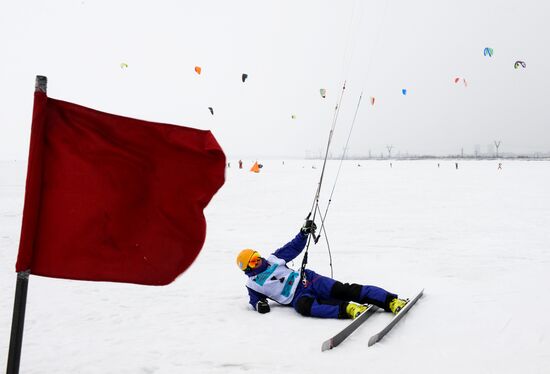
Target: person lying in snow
[{"x": 315, "y": 295}]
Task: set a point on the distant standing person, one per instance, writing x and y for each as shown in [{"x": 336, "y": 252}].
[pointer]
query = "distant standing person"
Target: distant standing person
[
  {"x": 240, "y": 164},
  {"x": 456, "y": 165},
  {"x": 499, "y": 166}
]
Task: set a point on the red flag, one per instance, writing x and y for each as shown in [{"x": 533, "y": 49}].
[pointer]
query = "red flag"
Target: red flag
[{"x": 110, "y": 198}]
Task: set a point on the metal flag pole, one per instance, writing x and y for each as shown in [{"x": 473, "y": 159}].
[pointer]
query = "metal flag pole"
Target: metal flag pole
[
  {"x": 21, "y": 287},
  {"x": 18, "y": 322}
]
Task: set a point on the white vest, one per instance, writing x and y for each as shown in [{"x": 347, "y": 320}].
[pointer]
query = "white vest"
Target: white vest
[{"x": 277, "y": 282}]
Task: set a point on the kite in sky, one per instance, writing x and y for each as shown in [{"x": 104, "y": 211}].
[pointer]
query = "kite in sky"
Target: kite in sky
[
  {"x": 488, "y": 52},
  {"x": 198, "y": 69},
  {"x": 459, "y": 79},
  {"x": 519, "y": 64}
]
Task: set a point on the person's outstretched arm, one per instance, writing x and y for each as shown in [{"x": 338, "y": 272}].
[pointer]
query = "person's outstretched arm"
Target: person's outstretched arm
[{"x": 292, "y": 249}]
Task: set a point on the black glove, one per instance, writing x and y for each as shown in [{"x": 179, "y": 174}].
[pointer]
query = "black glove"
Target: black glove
[
  {"x": 309, "y": 227},
  {"x": 262, "y": 307}
]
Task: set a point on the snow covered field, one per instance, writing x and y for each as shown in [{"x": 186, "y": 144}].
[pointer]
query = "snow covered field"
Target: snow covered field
[{"x": 477, "y": 239}]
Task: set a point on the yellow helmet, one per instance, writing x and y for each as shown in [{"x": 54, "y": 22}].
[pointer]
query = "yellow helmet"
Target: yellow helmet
[{"x": 248, "y": 259}]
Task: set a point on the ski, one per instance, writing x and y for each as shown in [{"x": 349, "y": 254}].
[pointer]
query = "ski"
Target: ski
[
  {"x": 342, "y": 335},
  {"x": 378, "y": 336}
]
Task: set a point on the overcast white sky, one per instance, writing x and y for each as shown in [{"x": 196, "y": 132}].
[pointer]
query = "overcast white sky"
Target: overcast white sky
[{"x": 289, "y": 49}]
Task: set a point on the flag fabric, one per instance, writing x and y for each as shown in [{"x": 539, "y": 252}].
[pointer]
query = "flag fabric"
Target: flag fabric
[{"x": 111, "y": 198}]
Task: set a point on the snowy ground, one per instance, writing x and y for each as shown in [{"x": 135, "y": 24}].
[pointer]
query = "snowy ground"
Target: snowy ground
[{"x": 477, "y": 239}]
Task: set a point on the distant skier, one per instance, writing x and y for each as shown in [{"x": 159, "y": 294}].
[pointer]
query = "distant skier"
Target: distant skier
[
  {"x": 315, "y": 295},
  {"x": 240, "y": 164},
  {"x": 456, "y": 165},
  {"x": 499, "y": 166}
]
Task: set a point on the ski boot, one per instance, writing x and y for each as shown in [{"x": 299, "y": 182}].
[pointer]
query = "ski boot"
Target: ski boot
[
  {"x": 355, "y": 310},
  {"x": 397, "y": 304}
]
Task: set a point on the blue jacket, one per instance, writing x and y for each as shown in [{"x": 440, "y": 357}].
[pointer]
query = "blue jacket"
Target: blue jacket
[{"x": 273, "y": 279}]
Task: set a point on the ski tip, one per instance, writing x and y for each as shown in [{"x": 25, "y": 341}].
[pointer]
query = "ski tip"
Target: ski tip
[
  {"x": 373, "y": 340},
  {"x": 327, "y": 345}
]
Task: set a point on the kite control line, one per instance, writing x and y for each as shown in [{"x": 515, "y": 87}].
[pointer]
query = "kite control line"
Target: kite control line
[
  {"x": 315, "y": 205},
  {"x": 323, "y": 218}
]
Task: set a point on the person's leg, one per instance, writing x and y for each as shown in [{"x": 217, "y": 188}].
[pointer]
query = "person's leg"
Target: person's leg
[
  {"x": 327, "y": 288},
  {"x": 313, "y": 299},
  {"x": 319, "y": 286},
  {"x": 325, "y": 297},
  {"x": 362, "y": 294},
  {"x": 308, "y": 306}
]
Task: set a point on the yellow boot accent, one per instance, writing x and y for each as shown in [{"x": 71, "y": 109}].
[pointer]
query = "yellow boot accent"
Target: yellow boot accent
[
  {"x": 354, "y": 310},
  {"x": 397, "y": 304}
]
